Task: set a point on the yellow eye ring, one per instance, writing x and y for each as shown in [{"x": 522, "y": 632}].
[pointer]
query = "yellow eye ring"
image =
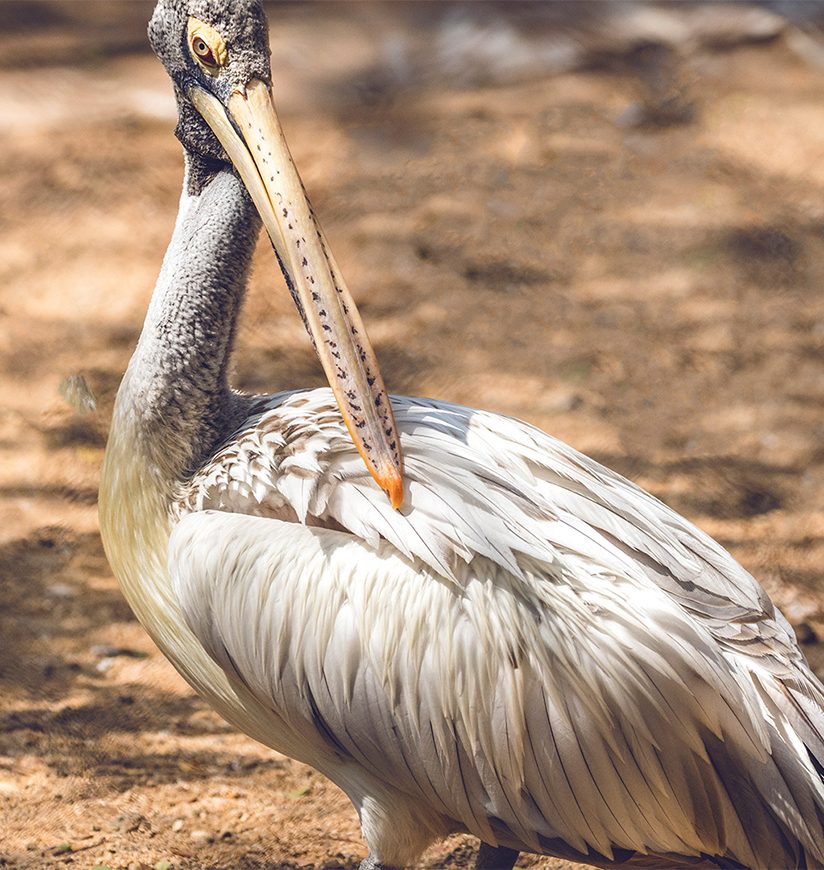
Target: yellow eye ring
[{"x": 206, "y": 46}]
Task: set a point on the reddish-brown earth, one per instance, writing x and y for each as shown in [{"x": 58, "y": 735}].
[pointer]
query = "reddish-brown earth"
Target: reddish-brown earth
[{"x": 556, "y": 245}]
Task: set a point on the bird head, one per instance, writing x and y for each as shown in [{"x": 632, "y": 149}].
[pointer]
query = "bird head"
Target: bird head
[
  {"x": 217, "y": 54},
  {"x": 216, "y": 47}
]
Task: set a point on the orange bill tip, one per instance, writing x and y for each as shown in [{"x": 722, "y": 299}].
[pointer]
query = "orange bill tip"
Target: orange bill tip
[
  {"x": 387, "y": 475},
  {"x": 391, "y": 482}
]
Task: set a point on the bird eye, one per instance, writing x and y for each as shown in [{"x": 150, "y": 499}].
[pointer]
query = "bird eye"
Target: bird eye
[
  {"x": 207, "y": 46},
  {"x": 201, "y": 49}
]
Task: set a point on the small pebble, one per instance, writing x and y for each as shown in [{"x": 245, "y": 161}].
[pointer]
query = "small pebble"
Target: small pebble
[
  {"x": 177, "y": 825},
  {"x": 201, "y": 837},
  {"x": 61, "y": 590}
]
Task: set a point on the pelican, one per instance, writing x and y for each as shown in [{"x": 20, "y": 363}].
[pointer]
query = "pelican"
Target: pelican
[{"x": 464, "y": 623}]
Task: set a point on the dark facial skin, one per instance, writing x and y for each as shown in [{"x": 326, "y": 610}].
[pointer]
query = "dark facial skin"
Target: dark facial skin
[{"x": 242, "y": 24}]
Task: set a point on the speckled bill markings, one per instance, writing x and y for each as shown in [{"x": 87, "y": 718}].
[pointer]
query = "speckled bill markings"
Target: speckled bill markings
[{"x": 263, "y": 160}]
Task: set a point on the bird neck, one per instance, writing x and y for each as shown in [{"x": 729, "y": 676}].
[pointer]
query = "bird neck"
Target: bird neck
[
  {"x": 175, "y": 406},
  {"x": 175, "y": 398}
]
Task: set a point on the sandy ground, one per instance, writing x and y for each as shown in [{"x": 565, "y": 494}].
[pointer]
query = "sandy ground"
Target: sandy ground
[{"x": 636, "y": 274}]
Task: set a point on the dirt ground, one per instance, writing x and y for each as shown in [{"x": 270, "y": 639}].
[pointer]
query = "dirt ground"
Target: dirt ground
[{"x": 620, "y": 242}]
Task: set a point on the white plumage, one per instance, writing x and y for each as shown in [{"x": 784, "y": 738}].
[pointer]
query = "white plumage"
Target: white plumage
[{"x": 532, "y": 647}]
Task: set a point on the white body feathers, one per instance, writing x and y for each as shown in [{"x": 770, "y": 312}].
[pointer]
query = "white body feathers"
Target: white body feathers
[{"x": 533, "y": 649}]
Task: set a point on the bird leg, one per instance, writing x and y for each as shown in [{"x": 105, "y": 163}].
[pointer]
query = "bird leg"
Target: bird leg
[
  {"x": 370, "y": 863},
  {"x": 495, "y": 858}
]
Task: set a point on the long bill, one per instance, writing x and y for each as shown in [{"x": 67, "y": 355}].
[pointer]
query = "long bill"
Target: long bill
[{"x": 261, "y": 156}]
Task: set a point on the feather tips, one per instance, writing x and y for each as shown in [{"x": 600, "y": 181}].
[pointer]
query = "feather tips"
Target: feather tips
[{"x": 532, "y": 644}]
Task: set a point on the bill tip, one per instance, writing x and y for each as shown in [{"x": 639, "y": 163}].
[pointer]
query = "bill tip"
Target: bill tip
[{"x": 392, "y": 484}]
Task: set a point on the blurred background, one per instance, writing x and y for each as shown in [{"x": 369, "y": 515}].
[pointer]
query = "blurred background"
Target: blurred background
[{"x": 605, "y": 219}]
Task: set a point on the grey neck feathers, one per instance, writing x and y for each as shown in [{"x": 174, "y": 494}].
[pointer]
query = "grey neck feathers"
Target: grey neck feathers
[{"x": 175, "y": 393}]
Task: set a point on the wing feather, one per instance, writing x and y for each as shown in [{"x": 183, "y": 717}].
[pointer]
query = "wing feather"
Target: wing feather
[{"x": 533, "y": 647}]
